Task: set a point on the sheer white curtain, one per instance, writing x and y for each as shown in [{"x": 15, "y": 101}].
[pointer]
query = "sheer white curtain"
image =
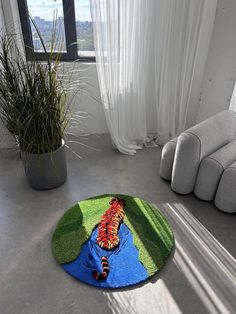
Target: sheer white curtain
[
  {"x": 120, "y": 34},
  {"x": 149, "y": 59},
  {"x": 181, "y": 47}
]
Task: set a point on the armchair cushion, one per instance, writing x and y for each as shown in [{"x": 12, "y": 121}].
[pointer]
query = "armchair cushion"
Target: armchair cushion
[
  {"x": 211, "y": 170},
  {"x": 225, "y": 198}
]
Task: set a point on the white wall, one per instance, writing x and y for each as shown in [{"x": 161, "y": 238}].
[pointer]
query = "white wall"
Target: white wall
[
  {"x": 220, "y": 71},
  {"x": 9, "y": 17},
  {"x": 90, "y": 100},
  {"x": 5, "y": 138}
]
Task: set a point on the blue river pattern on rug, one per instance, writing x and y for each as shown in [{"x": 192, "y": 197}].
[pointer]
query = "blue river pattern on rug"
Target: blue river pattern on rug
[{"x": 125, "y": 267}]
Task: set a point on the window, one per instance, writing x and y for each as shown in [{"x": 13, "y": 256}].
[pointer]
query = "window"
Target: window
[{"x": 73, "y": 21}]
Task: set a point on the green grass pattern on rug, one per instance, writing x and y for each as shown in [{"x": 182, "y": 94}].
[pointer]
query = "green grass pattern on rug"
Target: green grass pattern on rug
[{"x": 152, "y": 233}]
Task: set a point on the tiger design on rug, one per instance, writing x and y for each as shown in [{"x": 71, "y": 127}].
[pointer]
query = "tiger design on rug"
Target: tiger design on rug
[{"x": 107, "y": 237}]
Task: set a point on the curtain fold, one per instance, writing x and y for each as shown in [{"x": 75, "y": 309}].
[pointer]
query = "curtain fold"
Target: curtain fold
[
  {"x": 119, "y": 26},
  {"x": 148, "y": 63},
  {"x": 181, "y": 48}
]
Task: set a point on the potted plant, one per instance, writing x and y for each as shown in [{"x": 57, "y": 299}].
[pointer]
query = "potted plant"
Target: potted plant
[{"x": 35, "y": 108}]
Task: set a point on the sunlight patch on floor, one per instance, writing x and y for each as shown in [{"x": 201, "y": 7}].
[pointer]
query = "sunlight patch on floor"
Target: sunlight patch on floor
[
  {"x": 199, "y": 276},
  {"x": 146, "y": 299},
  {"x": 208, "y": 267}
]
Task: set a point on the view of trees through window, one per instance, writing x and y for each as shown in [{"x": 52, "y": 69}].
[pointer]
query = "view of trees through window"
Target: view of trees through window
[{"x": 47, "y": 11}]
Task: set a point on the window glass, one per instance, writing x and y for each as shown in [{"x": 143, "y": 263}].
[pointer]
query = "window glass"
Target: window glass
[
  {"x": 84, "y": 28},
  {"x": 47, "y": 14}
]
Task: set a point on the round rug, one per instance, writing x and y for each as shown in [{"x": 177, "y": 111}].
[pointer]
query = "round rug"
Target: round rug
[{"x": 145, "y": 242}]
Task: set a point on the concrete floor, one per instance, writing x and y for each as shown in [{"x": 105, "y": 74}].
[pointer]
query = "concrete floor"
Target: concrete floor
[{"x": 200, "y": 276}]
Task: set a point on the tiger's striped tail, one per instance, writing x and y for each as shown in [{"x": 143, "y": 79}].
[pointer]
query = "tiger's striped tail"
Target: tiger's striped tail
[{"x": 105, "y": 270}]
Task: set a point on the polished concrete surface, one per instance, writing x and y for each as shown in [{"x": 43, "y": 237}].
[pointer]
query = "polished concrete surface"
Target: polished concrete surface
[{"x": 200, "y": 276}]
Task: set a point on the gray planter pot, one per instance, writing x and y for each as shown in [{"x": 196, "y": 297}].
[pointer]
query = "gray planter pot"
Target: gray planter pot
[{"x": 45, "y": 171}]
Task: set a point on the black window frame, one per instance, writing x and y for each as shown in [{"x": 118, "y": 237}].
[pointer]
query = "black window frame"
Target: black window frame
[{"x": 71, "y": 53}]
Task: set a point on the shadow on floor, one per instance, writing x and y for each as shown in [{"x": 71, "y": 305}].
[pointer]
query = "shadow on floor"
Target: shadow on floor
[{"x": 198, "y": 278}]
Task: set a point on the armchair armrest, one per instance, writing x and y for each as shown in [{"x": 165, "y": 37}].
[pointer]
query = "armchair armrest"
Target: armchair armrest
[{"x": 198, "y": 142}]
